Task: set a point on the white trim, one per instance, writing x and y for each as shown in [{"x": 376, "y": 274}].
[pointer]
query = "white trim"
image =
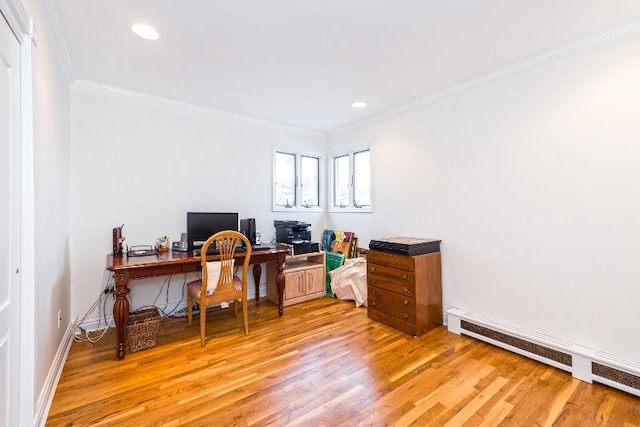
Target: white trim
[
  {"x": 18, "y": 19},
  {"x": 27, "y": 244},
  {"x": 60, "y": 44},
  {"x": 96, "y": 322},
  {"x": 297, "y": 209},
  {"x": 103, "y": 89},
  {"x": 349, "y": 209},
  {"x": 53, "y": 377},
  {"x": 22, "y": 26},
  {"x": 582, "y": 357},
  {"x": 548, "y": 57}
]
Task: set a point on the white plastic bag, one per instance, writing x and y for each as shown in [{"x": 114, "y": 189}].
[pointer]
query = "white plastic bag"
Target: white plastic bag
[{"x": 349, "y": 281}]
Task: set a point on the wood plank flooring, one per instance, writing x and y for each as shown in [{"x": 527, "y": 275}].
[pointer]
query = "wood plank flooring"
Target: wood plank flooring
[{"x": 324, "y": 363}]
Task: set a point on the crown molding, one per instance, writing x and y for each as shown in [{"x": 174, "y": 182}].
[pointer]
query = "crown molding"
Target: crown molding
[
  {"x": 128, "y": 95},
  {"x": 515, "y": 69},
  {"x": 59, "y": 42},
  {"x": 18, "y": 19}
]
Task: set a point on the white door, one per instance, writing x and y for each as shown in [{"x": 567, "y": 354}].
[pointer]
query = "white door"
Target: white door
[{"x": 9, "y": 224}]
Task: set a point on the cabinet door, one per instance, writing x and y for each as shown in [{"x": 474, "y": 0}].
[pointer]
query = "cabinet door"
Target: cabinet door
[
  {"x": 315, "y": 280},
  {"x": 294, "y": 285}
]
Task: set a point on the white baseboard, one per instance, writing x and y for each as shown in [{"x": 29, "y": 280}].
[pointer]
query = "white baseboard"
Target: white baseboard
[
  {"x": 97, "y": 322},
  {"x": 582, "y": 362},
  {"x": 51, "y": 382}
]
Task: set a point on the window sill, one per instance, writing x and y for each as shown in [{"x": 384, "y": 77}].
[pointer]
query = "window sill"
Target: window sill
[
  {"x": 350, "y": 209},
  {"x": 296, "y": 209}
]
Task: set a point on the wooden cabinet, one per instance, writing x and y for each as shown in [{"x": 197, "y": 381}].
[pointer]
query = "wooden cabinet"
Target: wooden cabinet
[
  {"x": 304, "y": 279},
  {"x": 405, "y": 292}
]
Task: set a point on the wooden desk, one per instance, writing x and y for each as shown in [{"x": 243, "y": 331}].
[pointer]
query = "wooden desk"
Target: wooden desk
[{"x": 126, "y": 268}]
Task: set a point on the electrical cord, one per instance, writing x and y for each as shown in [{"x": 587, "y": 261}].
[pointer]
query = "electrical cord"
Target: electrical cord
[
  {"x": 172, "y": 311},
  {"x": 101, "y": 305},
  {"x": 84, "y": 335}
]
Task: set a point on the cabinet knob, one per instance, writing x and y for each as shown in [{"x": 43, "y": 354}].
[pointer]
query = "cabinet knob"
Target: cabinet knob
[
  {"x": 372, "y": 269},
  {"x": 404, "y": 276},
  {"x": 405, "y": 289},
  {"x": 373, "y": 280},
  {"x": 374, "y": 304},
  {"x": 404, "y": 315},
  {"x": 405, "y": 302},
  {"x": 374, "y": 292}
]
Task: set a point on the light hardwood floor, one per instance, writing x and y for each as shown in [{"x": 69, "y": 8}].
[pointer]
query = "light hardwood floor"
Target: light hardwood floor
[{"x": 324, "y": 363}]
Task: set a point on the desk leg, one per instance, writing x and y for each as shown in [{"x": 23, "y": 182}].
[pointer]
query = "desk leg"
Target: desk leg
[
  {"x": 257, "y": 272},
  {"x": 121, "y": 310},
  {"x": 280, "y": 282}
]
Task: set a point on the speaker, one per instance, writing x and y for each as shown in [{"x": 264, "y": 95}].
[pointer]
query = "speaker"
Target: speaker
[
  {"x": 248, "y": 228},
  {"x": 184, "y": 246}
]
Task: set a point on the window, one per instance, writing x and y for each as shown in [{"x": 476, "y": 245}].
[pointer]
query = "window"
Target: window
[
  {"x": 341, "y": 181},
  {"x": 297, "y": 181},
  {"x": 285, "y": 179},
  {"x": 351, "y": 181},
  {"x": 309, "y": 181}
]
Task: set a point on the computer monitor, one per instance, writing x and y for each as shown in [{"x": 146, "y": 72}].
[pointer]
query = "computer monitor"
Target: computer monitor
[{"x": 202, "y": 225}]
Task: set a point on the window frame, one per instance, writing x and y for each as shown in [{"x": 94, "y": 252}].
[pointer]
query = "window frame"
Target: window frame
[
  {"x": 351, "y": 207},
  {"x": 298, "y": 153}
]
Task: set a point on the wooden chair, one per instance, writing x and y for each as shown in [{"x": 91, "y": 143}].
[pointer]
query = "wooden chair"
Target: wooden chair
[{"x": 228, "y": 287}]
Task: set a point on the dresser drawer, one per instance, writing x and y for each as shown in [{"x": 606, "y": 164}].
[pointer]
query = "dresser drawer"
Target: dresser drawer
[
  {"x": 380, "y": 316},
  {"x": 391, "y": 260},
  {"x": 400, "y": 283},
  {"x": 390, "y": 272},
  {"x": 402, "y": 307}
]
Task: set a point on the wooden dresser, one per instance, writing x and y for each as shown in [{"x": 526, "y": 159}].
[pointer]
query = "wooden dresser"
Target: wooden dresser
[{"x": 405, "y": 292}]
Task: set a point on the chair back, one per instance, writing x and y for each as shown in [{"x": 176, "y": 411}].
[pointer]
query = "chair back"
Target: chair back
[{"x": 226, "y": 242}]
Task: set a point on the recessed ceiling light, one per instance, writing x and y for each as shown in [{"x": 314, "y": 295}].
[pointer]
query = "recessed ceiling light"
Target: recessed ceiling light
[
  {"x": 145, "y": 31},
  {"x": 359, "y": 104}
]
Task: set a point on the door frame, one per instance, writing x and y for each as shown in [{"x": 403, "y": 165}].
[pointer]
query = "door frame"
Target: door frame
[{"x": 22, "y": 26}]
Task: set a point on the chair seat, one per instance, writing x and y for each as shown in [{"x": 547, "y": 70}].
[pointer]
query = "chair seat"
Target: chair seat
[{"x": 195, "y": 287}]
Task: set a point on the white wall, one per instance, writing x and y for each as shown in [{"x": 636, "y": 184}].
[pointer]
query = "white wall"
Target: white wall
[
  {"x": 144, "y": 164},
  {"x": 532, "y": 184},
  {"x": 51, "y": 182}
]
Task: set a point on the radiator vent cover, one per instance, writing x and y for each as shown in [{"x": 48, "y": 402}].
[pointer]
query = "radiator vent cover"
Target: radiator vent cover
[
  {"x": 582, "y": 362},
  {"x": 522, "y": 344},
  {"x": 616, "y": 375}
]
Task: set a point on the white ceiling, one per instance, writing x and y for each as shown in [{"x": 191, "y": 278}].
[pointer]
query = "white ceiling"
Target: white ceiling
[{"x": 303, "y": 63}]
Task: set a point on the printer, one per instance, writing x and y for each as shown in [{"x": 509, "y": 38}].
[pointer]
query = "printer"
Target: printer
[{"x": 296, "y": 235}]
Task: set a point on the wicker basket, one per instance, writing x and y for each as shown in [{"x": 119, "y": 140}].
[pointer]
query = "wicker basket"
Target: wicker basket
[{"x": 142, "y": 328}]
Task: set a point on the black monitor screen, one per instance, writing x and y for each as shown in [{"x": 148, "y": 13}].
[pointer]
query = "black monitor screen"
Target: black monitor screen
[{"x": 202, "y": 225}]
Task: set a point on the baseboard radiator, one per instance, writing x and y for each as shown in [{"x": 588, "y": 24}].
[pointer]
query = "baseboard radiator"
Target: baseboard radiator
[{"x": 583, "y": 363}]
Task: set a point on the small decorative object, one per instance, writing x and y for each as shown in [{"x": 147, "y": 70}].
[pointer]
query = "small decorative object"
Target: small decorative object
[{"x": 163, "y": 244}]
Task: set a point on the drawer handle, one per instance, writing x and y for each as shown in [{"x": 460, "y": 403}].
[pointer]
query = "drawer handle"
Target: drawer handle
[
  {"x": 404, "y": 276},
  {"x": 373, "y": 269},
  {"x": 405, "y": 302},
  {"x": 374, "y": 304},
  {"x": 405, "y": 290},
  {"x": 373, "y": 280},
  {"x": 374, "y": 292},
  {"x": 404, "y": 315}
]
